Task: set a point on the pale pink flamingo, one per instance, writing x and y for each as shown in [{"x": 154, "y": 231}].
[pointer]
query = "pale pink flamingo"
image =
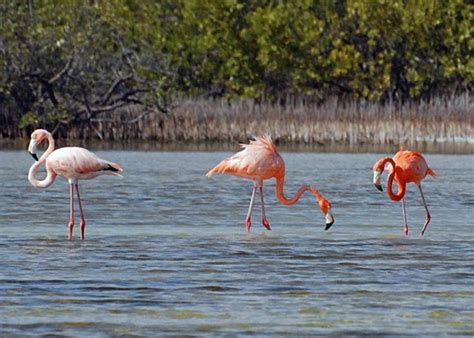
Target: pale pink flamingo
[
  {"x": 260, "y": 161},
  {"x": 405, "y": 167},
  {"x": 73, "y": 163}
]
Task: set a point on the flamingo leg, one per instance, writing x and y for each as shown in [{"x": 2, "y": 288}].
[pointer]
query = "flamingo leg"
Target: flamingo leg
[
  {"x": 405, "y": 217},
  {"x": 428, "y": 216},
  {"x": 248, "y": 220},
  {"x": 71, "y": 211},
  {"x": 265, "y": 222},
  {"x": 83, "y": 221}
]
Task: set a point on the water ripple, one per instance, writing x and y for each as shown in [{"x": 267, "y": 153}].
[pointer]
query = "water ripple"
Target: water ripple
[{"x": 166, "y": 252}]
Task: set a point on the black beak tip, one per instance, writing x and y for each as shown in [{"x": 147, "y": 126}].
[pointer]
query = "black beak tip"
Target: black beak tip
[
  {"x": 379, "y": 187},
  {"x": 34, "y": 156},
  {"x": 328, "y": 225}
]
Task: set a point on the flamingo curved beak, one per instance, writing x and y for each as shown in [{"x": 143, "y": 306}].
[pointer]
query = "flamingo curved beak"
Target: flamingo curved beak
[
  {"x": 377, "y": 180},
  {"x": 329, "y": 220},
  {"x": 32, "y": 149}
]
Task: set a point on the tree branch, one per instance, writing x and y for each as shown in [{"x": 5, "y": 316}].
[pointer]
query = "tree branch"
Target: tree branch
[
  {"x": 114, "y": 86},
  {"x": 62, "y": 72},
  {"x": 141, "y": 116},
  {"x": 46, "y": 84}
]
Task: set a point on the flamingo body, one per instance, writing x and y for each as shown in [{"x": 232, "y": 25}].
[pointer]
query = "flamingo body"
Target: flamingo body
[
  {"x": 413, "y": 167},
  {"x": 79, "y": 164},
  {"x": 405, "y": 167},
  {"x": 259, "y": 161},
  {"x": 73, "y": 163}
]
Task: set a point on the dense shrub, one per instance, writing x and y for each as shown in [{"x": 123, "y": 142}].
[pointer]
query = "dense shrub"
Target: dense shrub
[{"x": 67, "y": 62}]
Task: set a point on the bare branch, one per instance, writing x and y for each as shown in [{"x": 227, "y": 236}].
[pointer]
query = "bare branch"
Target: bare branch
[
  {"x": 46, "y": 84},
  {"x": 141, "y": 116},
  {"x": 166, "y": 106},
  {"x": 114, "y": 86},
  {"x": 96, "y": 110},
  {"x": 89, "y": 111},
  {"x": 86, "y": 100},
  {"x": 56, "y": 127},
  {"x": 102, "y": 120},
  {"x": 97, "y": 132},
  {"x": 62, "y": 72},
  {"x": 122, "y": 101}
]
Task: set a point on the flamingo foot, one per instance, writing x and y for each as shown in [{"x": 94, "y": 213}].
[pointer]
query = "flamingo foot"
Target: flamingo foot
[
  {"x": 266, "y": 224},
  {"x": 83, "y": 229},
  {"x": 427, "y": 221},
  {"x": 248, "y": 223},
  {"x": 406, "y": 230}
]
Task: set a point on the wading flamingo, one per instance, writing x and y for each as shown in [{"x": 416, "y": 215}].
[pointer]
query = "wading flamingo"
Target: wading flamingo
[
  {"x": 73, "y": 163},
  {"x": 406, "y": 167},
  {"x": 261, "y": 161}
]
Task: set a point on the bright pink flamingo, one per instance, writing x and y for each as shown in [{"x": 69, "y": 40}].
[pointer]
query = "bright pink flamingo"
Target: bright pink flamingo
[
  {"x": 406, "y": 167},
  {"x": 73, "y": 163},
  {"x": 260, "y": 161}
]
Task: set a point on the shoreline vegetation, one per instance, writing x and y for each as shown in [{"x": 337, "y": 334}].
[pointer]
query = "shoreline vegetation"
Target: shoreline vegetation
[
  {"x": 179, "y": 146},
  {"x": 311, "y": 74},
  {"x": 440, "y": 125},
  {"x": 333, "y": 122}
]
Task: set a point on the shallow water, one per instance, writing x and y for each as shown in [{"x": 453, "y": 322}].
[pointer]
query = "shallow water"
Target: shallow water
[{"x": 166, "y": 252}]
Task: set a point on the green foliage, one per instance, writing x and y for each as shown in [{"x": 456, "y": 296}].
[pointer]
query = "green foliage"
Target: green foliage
[
  {"x": 59, "y": 59},
  {"x": 365, "y": 49},
  {"x": 29, "y": 119}
]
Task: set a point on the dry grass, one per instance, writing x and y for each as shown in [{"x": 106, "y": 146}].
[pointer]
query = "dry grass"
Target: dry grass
[{"x": 334, "y": 122}]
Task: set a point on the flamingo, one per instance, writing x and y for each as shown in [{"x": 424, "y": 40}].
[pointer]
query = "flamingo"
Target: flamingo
[
  {"x": 259, "y": 161},
  {"x": 406, "y": 167},
  {"x": 73, "y": 163}
]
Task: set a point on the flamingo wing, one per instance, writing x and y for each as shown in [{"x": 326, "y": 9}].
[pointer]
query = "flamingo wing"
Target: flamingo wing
[
  {"x": 258, "y": 160},
  {"x": 414, "y": 166},
  {"x": 76, "y": 162}
]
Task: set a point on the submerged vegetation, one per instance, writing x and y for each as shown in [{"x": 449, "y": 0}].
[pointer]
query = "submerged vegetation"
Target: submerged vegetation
[{"x": 307, "y": 71}]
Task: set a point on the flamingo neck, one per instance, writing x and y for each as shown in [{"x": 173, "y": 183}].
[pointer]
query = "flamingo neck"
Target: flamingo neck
[
  {"x": 401, "y": 184},
  {"x": 50, "y": 175},
  {"x": 280, "y": 181}
]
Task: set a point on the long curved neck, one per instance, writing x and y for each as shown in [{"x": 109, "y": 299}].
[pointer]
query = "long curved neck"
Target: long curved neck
[
  {"x": 50, "y": 175},
  {"x": 401, "y": 185},
  {"x": 280, "y": 182}
]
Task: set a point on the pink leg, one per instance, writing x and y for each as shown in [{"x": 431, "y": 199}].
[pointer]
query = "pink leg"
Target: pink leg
[
  {"x": 248, "y": 220},
  {"x": 405, "y": 217},
  {"x": 83, "y": 221},
  {"x": 71, "y": 211},
  {"x": 428, "y": 216},
  {"x": 265, "y": 222}
]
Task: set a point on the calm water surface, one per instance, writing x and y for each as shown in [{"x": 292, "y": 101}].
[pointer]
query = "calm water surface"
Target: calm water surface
[{"x": 166, "y": 252}]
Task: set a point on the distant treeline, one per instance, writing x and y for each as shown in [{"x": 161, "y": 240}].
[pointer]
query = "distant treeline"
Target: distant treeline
[{"x": 71, "y": 66}]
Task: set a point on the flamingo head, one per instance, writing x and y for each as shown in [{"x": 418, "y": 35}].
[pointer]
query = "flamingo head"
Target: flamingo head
[
  {"x": 36, "y": 138},
  {"x": 325, "y": 207},
  {"x": 378, "y": 170}
]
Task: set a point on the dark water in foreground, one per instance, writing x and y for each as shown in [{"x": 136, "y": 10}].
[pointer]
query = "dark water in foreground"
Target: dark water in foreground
[{"x": 166, "y": 252}]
